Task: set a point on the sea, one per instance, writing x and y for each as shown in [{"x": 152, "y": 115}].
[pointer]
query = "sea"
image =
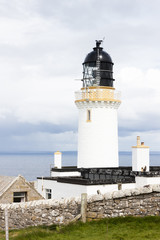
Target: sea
[{"x": 32, "y": 165}]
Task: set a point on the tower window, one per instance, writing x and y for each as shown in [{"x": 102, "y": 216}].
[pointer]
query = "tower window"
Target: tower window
[{"x": 88, "y": 115}]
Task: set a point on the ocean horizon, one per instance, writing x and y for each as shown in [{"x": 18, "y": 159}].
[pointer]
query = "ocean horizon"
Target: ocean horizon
[{"x": 37, "y": 164}]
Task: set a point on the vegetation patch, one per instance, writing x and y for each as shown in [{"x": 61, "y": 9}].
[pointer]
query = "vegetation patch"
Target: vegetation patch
[{"x": 122, "y": 228}]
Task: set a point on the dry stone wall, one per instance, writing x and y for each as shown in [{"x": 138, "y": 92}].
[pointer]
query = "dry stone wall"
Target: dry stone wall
[{"x": 136, "y": 202}]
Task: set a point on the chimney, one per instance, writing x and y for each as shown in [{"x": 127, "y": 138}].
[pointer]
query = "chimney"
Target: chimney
[
  {"x": 138, "y": 141},
  {"x": 57, "y": 159}
]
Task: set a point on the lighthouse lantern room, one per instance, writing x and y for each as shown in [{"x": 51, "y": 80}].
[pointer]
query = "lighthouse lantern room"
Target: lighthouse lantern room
[{"x": 97, "y": 102}]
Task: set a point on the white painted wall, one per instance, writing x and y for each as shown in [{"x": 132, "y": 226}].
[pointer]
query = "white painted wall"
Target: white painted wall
[
  {"x": 66, "y": 190},
  {"x": 142, "y": 181},
  {"x": 107, "y": 188},
  {"x": 101, "y": 188},
  {"x": 98, "y": 139},
  {"x": 65, "y": 174},
  {"x": 60, "y": 190},
  {"x": 128, "y": 186},
  {"x": 140, "y": 158}
]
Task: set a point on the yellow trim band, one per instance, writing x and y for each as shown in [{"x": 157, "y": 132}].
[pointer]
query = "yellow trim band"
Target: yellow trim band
[
  {"x": 99, "y": 87},
  {"x": 141, "y": 146},
  {"x": 98, "y": 100}
]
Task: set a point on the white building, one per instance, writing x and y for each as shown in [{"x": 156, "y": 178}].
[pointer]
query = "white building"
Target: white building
[{"x": 98, "y": 168}]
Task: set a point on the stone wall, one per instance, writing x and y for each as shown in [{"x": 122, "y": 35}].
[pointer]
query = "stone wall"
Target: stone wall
[{"x": 136, "y": 202}]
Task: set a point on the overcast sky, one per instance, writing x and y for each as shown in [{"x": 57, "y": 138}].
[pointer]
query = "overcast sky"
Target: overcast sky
[{"x": 42, "y": 46}]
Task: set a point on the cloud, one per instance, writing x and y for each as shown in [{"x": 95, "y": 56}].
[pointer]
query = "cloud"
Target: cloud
[
  {"x": 139, "y": 111},
  {"x": 150, "y": 138},
  {"x": 39, "y": 141},
  {"x": 42, "y": 47}
]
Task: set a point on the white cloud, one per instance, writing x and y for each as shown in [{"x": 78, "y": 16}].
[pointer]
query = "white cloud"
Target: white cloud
[
  {"x": 150, "y": 138},
  {"x": 42, "y": 47},
  {"x": 139, "y": 112},
  {"x": 65, "y": 141},
  {"x": 37, "y": 100},
  {"x": 140, "y": 93}
]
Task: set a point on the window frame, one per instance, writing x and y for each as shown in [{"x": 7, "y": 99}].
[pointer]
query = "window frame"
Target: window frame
[
  {"x": 88, "y": 115},
  {"x": 48, "y": 192},
  {"x": 20, "y": 197}
]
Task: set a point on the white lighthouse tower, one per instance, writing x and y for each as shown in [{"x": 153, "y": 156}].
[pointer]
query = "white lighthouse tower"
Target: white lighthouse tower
[{"x": 97, "y": 102}]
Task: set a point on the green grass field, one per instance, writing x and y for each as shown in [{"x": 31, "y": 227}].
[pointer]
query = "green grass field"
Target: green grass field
[{"x": 116, "y": 229}]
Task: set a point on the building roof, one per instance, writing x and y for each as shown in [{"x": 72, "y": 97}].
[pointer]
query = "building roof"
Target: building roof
[{"x": 5, "y": 183}]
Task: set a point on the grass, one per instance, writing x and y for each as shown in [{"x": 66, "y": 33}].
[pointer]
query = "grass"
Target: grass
[{"x": 127, "y": 228}]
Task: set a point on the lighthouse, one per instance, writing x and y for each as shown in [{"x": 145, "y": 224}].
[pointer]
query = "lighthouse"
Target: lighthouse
[
  {"x": 97, "y": 102},
  {"x": 98, "y": 170}
]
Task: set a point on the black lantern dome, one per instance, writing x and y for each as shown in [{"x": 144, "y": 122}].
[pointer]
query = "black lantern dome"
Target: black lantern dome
[{"x": 98, "y": 68}]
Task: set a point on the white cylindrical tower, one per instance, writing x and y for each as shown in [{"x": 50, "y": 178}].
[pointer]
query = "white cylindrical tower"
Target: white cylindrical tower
[
  {"x": 57, "y": 159},
  {"x": 140, "y": 157},
  {"x": 97, "y": 103}
]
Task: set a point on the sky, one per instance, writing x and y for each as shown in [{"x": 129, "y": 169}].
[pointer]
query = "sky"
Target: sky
[{"x": 43, "y": 44}]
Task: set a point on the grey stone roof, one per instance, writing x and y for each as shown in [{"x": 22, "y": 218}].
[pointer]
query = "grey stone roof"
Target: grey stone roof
[{"x": 5, "y": 183}]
